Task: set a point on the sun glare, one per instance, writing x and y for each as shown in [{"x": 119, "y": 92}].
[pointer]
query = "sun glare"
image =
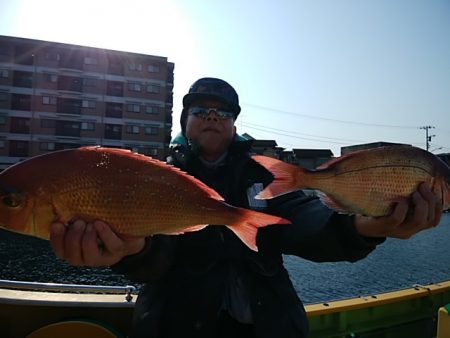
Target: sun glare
[{"x": 137, "y": 26}]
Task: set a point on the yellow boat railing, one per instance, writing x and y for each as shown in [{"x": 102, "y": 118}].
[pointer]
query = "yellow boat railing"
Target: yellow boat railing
[{"x": 408, "y": 313}]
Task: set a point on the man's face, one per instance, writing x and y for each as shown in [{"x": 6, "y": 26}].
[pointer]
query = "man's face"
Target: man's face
[{"x": 211, "y": 132}]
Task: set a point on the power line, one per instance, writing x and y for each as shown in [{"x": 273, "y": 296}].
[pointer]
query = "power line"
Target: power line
[
  {"x": 297, "y": 137},
  {"x": 323, "y": 139},
  {"x": 295, "y": 134},
  {"x": 329, "y": 119},
  {"x": 314, "y": 138}
]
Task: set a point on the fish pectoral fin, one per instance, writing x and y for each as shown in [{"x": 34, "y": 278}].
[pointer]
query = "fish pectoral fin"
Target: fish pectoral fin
[
  {"x": 193, "y": 228},
  {"x": 331, "y": 203}
]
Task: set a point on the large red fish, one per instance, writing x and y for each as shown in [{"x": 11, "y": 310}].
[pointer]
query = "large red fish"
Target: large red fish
[
  {"x": 365, "y": 182},
  {"x": 135, "y": 194}
]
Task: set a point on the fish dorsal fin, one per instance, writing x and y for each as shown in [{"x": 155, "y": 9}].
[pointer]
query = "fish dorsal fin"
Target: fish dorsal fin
[
  {"x": 163, "y": 165},
  {"x": 333, "y": 161}
]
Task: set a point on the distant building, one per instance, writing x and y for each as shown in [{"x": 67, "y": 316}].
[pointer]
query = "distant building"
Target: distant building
[
  {"x": 311, "y": 158},
  {"x": 264, "y": 147},
  {"x": 349, "y": 149},
  {"x": 306, "y": 158},
  {"x": 56, "y": 96},
  {"x": 288, "y": 156}
]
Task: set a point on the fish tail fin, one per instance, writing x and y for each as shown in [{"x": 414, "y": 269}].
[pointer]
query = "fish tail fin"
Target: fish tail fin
[
  {"x": 287, "y": 177},
  {"x": 246, "y": 226}
]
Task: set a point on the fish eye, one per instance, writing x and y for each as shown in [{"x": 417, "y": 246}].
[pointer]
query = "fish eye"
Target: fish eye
[{"x": 10, "y": 201}]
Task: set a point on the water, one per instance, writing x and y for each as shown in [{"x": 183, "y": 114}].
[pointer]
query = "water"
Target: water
[
  {"x": 395, "y": 264},
  {"x": 25, "y": 258}
]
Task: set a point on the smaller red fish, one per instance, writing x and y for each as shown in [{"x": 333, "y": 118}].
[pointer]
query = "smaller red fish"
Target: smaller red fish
[{"x": 364, "y": 182}]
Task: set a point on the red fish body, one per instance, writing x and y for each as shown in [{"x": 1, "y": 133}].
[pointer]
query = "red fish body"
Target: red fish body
[
  {"x": 365, "y": 182},
  {"x": 135, "y": 194}
]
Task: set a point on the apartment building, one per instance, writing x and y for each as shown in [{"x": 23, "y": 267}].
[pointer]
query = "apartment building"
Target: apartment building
[{"x": 55, "y": 96}]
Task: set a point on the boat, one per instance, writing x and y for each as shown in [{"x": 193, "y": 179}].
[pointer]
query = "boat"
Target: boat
[
  {"x": 38, "y": 310},
  {"x": 406, "y": 313}
]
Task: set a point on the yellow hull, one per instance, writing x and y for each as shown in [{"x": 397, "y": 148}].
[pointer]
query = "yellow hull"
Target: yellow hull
[
  {"x": 405, "y": 313},
  {"x": 43, "y": 312}
]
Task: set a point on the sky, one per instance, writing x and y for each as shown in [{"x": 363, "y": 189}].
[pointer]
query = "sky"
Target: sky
[{"x": 316, "y": 74}]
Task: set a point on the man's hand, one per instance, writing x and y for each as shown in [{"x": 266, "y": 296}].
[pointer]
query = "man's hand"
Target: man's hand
[
  {"x": 91, "y": 244},
  {"x": 423, "y": 211}
]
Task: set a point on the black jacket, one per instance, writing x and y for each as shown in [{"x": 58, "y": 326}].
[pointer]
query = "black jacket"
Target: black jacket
[{"x": 186, "y": 275}]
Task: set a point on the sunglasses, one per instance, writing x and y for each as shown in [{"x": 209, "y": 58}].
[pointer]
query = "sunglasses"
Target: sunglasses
[{"x": 203, "y": 112}]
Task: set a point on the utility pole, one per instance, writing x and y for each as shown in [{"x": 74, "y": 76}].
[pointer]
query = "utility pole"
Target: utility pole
[{"x": 427, "y": 137}]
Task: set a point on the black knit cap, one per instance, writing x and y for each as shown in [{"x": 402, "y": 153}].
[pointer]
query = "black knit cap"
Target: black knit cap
[{"x": 210, "y": 88}]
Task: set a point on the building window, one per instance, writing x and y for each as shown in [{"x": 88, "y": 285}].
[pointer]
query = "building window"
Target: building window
[
  {"x": 135, "y": 66},
  {"x": 67, "y": 128},
  {"x": 4, "y": 73},
  {"x": 89, "y": 104},
  {"x": 114, "y": 109},
  {"x": 47, "y": 123},
  {"x": 152, "y": 88},
  {"x": 2, "y": 120},
  {"x": 113, "y": 131},
  {"x": 51, "y": 77},
  {"x": 47, "y": 146},
  {"x": 134, "y": 107},
  {"x": 70, "y": 83},
  {"x": 151, "y": 130},
  {"x": 134, "y": 87},
  {"x": 4, "y": 50},
  {"x": 114, "y": 88},
  {"x": 52, "y": 55},
  {"x": 23, "y": 79},
  {"x": 62, "y": 146},
  {"x": 115, "y": 65},
  {"x": 21, "y": 102},
  {"x": 132, "y": 129},
  {"x": 50, "y": 100},
  {"x": 153, "y": 69},
  {"x": 71, "y": 58},
  {"x": 3, "y": 96},
  {"x": 151, "y": 109},
  {"x": 2, "y": 144},
  {"x": 69, "y": 106},
  {"x": 88, "y": 60},
  {"x": 88, "y": 126},
  {"x": 18, "y": 148},
  {"x": 89, "y": 82}
]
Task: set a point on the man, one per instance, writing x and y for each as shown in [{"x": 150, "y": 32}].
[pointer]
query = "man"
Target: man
[{"x": 208, "y": 283}]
